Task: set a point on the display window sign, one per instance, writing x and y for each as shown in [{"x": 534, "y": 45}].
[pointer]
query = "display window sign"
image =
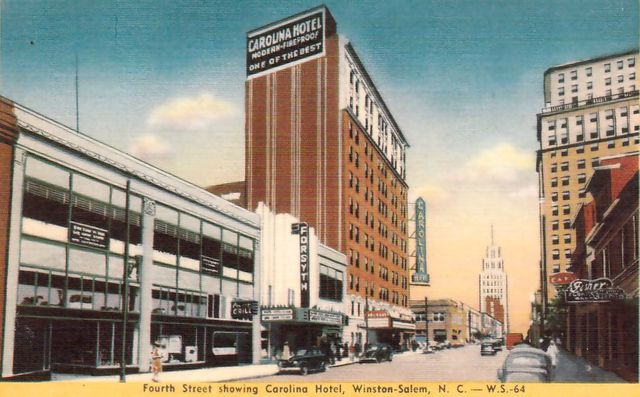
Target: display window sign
[
  {"x": 89, "y": 236},
  {"x": 317, "y": 316},
  {"x": 593, "y": 291},
  {"x": 210, "y": 265},
  {"x": 286, "y": 43},
  {"x": 276, "y": 314}
]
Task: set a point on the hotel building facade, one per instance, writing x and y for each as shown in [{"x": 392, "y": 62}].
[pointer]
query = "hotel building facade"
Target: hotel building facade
[
  {"x": 322, "y": 145},
  {"x": 591, "y": 111},
  {"x": 84, "y": 228}
]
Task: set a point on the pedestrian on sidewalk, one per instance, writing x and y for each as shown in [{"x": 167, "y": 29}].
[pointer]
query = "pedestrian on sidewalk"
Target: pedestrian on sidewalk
[
  {"x": 286, "y": 351},
  {"x": 156, "y": 360},
  {"x": 553, "y": 352}
]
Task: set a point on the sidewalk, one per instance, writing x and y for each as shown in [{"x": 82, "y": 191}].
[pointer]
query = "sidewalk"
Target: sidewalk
[
  {"x": 573, "y": 369},
  {"x": 218, "y": 374}
]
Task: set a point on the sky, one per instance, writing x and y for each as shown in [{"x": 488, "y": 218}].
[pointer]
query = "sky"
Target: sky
[{"x": 164, "y": 81}]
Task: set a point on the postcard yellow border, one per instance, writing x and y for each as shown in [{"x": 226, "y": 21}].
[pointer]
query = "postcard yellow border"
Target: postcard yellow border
[{"x": 306, "y": 389}]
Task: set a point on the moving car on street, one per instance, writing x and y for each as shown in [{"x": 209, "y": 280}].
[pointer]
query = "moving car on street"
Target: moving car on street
[
  {"x": 526, "y": 364},
  {"x": 304, "y": 360},
  {"x": 379, "y": 352},
  {"x": 487, "y": 349}
]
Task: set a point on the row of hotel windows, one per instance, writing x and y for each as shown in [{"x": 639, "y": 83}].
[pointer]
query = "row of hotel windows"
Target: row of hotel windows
[
  {"x": 594, "y": 130},
  {"x": 594, "y": 147},
  {"x": 383, "y": 131},
  {"x": 383, "y": 272},
  {"x": 368, "y": 154},
  {"x": 607, "y": 82},
  {"x": 631, "y": 62},
  {"x": 608, "y": 95},
  {"x": 566, "y": 194},
  {"x": 383, "y": 293},
  {"x": 435, "y": 317}
]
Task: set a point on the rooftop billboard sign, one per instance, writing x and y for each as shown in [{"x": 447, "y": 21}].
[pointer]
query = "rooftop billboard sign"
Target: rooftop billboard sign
[{"x": 285, "y": 43}]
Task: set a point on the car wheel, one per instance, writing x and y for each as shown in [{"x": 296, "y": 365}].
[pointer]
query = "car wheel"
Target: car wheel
[
  {"x": 304, "y": 370},
  {"x": 378, "y": 360},
  {"x": 323, "y": 366},
  {"x": 390, "y": 358}
]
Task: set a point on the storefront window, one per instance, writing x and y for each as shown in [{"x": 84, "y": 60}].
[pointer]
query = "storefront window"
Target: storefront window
[
  {"x": 89, "y": 262},
  {"x": 245, "y": 259},
  {"x": 331, "y": 283},
  {"x": 230, "y": 254},
  {"x": 42, "y": 254},
  {"x": 190, "y": 243},
  {"x": 47, "y": 204},
  {"x": 117, "y": 214},
  {"x": 211, "y": 249}
]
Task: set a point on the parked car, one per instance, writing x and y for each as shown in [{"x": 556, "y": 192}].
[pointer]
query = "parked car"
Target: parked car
[
  {"x": 379, "y": 352},
  {"x": 497, "y": 344},
  {"x": 526, "y": 364},
  {"x": 486, "y": 349},
  {"x": 304, "y": 360}
]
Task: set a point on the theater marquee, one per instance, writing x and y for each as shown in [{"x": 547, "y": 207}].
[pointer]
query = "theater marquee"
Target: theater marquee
[{"x": 293, "y": 40}]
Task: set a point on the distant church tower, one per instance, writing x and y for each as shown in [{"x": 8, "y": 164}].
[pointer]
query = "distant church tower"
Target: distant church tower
[{"x": 493, "y": 285}]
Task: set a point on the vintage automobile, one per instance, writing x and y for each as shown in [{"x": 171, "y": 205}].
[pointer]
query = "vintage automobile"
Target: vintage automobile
[
  {"x": 378, "y": 353},
  {"x": 526, "y": 364},
  {"x": 487, "y": 349},
  {"x": 304, "y": 360}
]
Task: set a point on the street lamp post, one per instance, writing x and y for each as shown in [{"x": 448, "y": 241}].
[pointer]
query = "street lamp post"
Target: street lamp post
[
  {"x": 125, "y": 279},
  {"x": 366, "y": 320},
  {"x": 426, "y": 320}
]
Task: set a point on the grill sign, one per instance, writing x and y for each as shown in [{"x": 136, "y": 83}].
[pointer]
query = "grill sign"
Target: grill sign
[
  {"x": 88, "y": 235},
  {"x": 243, "y": 310},
  {"x": 288, "y": 42},
  {"x": 599, "y": 290}
]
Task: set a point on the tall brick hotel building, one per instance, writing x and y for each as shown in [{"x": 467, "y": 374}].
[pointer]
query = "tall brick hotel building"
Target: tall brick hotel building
[{"x": 322, "y": 144}]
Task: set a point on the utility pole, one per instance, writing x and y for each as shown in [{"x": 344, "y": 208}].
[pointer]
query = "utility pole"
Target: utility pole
[
  {"x": 125, "y": 282},
  {"x": 469, "y": 324},
  {"x": 426, "y": 319},
  {"x": 366, "y": 320}
]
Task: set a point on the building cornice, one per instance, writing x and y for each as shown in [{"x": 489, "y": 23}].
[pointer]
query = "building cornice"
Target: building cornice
[
  {"x": 572, "y": 64},
  {"x": 43, "y": 127}
]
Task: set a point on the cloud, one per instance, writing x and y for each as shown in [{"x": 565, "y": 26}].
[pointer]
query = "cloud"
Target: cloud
[
  {"x": 150, "y": 147},
  {"x": 502, "y": 163},
  {"x": 432, "y": 194},
  {"x": 190, "y": 113},
  {"x": 525, "y": 192}
]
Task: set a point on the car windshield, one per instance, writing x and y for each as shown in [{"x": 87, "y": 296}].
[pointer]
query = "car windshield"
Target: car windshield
[
  {"x": 301, "y": 352},
  {"x": 373, "y": 348}
]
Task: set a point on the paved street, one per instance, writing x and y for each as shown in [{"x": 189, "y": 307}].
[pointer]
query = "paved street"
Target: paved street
[{"x": 462, "y": 364}]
